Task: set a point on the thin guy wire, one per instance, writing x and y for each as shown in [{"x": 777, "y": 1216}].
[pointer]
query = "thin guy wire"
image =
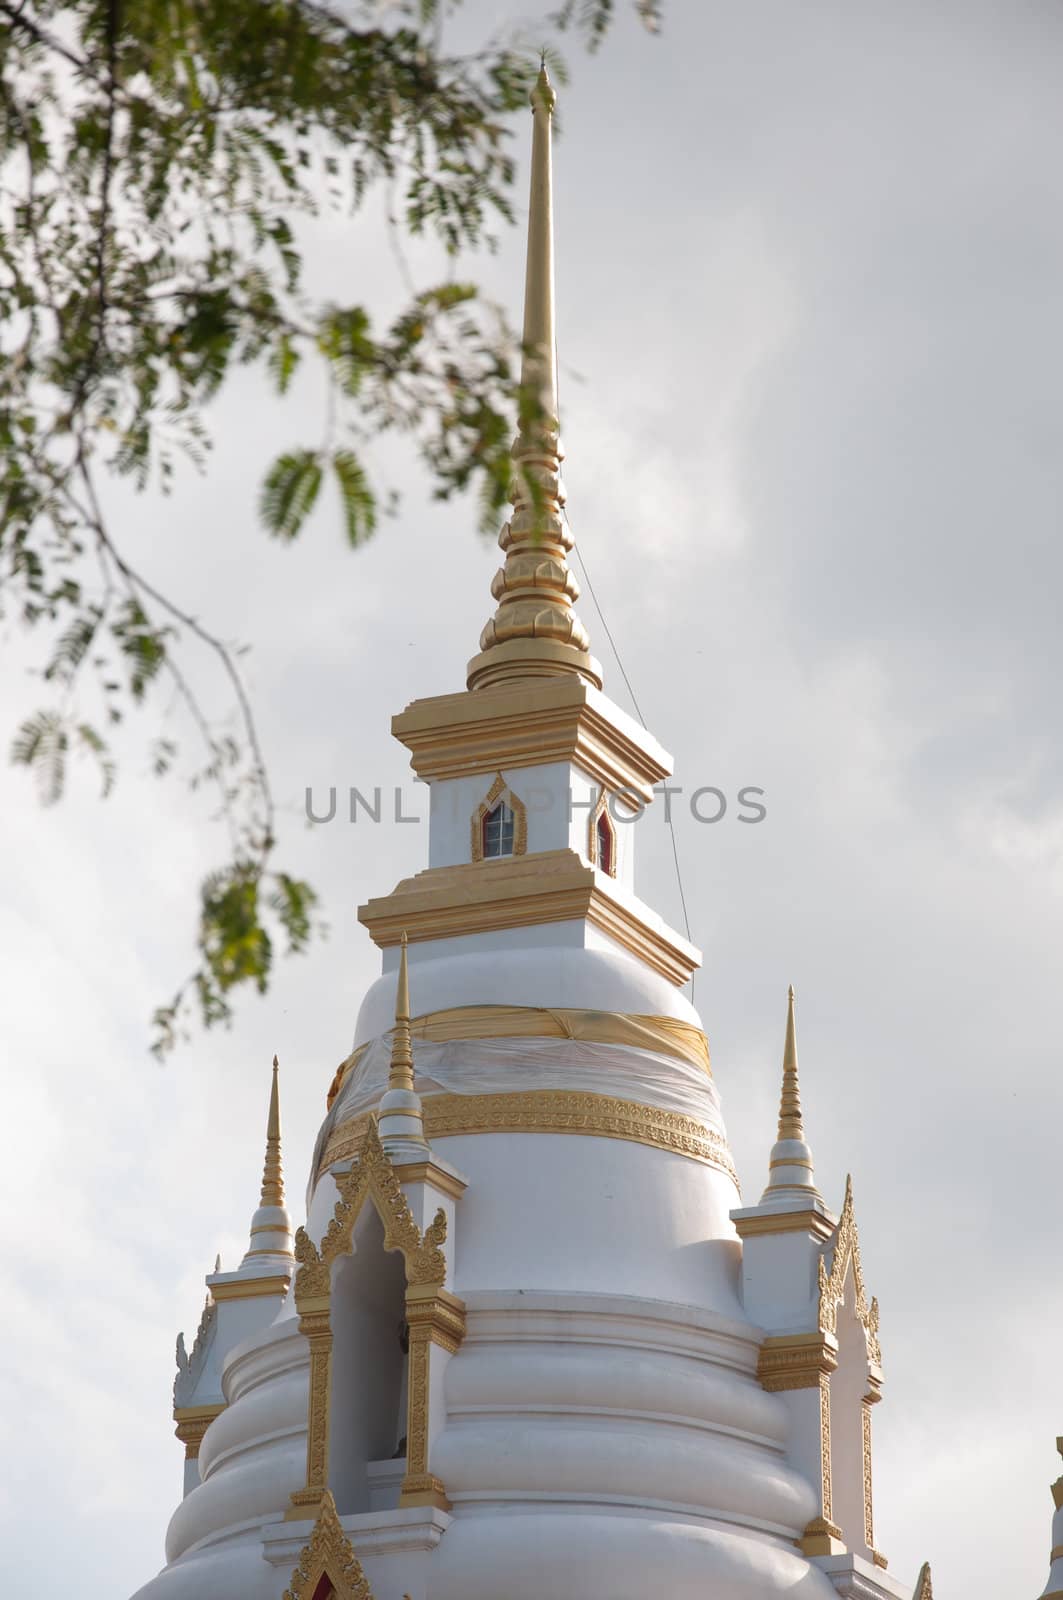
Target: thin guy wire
[{"x": 616, "y": 653}]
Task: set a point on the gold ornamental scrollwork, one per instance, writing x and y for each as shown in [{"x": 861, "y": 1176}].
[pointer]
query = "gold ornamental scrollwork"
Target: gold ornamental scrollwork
[
  {"x": 328, "y": 1554},
  {"x": 832, "y": 1283},
  {"x": 373, "y": 1178},
  {"x": 824, "y": 1447},
  {"x": 869, "y": 1522},
  {"x": 551, "y": 1111}
]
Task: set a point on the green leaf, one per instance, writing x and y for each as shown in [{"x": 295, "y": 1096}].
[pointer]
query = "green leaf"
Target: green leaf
[
  {"x": 358, "y": 500},
  {"x": 92, "y": 742},
  {"x": 293, "y": 901},
  {"x": 236, "y": 947},
  {"x": 41, "y": 744},
  {"x": 289, "y": 492},
  {"x": 282, "y": 362}
]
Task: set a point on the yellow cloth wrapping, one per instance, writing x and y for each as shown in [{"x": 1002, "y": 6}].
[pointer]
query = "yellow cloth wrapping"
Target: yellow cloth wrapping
[{"x": 665, "y": 1035}]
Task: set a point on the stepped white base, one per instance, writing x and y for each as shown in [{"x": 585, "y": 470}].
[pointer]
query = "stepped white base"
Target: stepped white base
[{"x": 857, "y": 1579}]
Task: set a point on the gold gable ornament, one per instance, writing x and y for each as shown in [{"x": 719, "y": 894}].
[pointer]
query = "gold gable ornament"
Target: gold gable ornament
[
  {"x": 924, "y": 1589},
  {"x": 328, "y": 1555},
  {"x": 832, "y": 1283}
]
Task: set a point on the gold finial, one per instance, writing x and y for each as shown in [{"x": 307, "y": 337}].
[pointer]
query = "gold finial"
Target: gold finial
[
  {"x": 272, "y": 1172},
  {"x": 791, "y": 1180},
  {"x": 924, "y": 1589},
  {"x": 535, "y": 632},
  {"x": 790, "y": 1123},
  {"x": 401, "y": 1074}
]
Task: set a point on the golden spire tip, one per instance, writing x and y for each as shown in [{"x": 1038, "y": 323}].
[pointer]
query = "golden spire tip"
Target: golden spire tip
[
  {"x": 401, "y": 1074},
  {"x": 790, "y": 1121},
  {"x": 272, "y": 1171}
]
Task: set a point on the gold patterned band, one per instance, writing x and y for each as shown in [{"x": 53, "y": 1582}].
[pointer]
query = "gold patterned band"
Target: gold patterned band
[
  {"x": 549, "y": 1111},
  {"x": 663, "y": 1035}
]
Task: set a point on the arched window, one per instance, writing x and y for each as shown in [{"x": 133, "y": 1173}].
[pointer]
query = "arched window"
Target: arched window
[
  {"x": 606, "y": 851},
  {"x": 499, "y": 825},
  {"x": 497, "y": 829}
]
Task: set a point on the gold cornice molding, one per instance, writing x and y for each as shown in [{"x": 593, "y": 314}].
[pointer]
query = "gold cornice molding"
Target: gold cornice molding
[
  {"x": 796, "y": 1361},
  {"x": 531, "y": 724},
  {"x": 816, "y": 1223},
  {"x": 516, "y": 892},
  {"x": 822, "y": 1538},
  {"x": 548, "y": 1111},
  {"x": 253, "y": 1288},
  {"x": 430, "y": 1172},
  {"x": 192, "y": 1423}
]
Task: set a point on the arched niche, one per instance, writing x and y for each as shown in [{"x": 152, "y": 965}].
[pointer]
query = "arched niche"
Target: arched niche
[
  {"x": 370, "y": 1343},
  {"x": 435, "y": 1317}
]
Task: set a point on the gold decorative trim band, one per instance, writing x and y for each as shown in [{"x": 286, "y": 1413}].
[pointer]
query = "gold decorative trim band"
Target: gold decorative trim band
[
  {"x": 550, "y": 1111},
  {"x": 663, "y": 1035},
  {"x": 524, "y": 891}
]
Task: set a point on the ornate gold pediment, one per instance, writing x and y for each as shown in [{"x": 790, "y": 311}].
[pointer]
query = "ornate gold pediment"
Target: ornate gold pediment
[
  {"x": 924, "y": 1589},
  {"x": 846, "y": 1256},
  {"x": 374, "y": 1178},
  {"x": 328, "y": 1555}
]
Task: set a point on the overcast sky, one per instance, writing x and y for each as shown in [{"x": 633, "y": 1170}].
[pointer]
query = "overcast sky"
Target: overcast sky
[{"x": 809, "y": 282}]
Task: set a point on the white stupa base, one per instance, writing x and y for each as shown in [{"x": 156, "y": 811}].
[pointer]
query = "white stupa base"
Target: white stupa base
[{"x": 857, "y": 1579}]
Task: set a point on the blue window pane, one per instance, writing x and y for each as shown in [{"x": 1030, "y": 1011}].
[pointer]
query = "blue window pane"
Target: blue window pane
[{"x": 498, "y": 831}]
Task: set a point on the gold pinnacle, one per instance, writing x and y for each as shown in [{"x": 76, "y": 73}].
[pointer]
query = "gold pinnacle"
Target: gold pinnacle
[
  {"x": 790, "y": 1123},
  {"x": 535, "y": 632},
  {"x": 272, "y": 1172},
  {"x": 401, "y": 1074}
]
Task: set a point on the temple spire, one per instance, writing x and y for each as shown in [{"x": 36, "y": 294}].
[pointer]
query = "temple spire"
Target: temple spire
[
  {"x": 791, "y": 1178},
  {"x": 539, "y": 365},
  {"x": 272, "y": 1171},
  {"x": 401, "y": 1115},
  {"x": 790, "y": 1124},
  {"x": 535, "y": 633},
  {"x": 271, "y": 1225}
]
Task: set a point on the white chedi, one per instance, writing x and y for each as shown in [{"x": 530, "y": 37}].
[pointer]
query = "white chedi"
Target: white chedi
[{"x": 614, "y": 1380}]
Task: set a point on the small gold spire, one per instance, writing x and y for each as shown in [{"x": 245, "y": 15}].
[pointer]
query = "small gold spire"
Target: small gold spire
[
  {"x": 790, "y": 1123},
  {"x": 535, "y": 632},
  {"x": 401, "y": 1074},
  {"x": 272, "y": 1172},
  {"x": 791, "y": 1179}
]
